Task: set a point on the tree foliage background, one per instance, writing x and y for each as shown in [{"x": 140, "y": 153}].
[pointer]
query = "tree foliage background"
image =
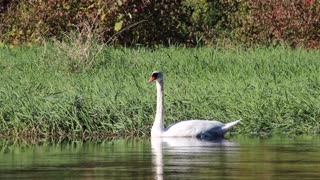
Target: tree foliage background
[{"x": 165, "y": 22}]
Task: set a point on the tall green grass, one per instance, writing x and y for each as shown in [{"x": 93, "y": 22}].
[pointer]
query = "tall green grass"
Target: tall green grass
[{"x": 273, "y": 90}]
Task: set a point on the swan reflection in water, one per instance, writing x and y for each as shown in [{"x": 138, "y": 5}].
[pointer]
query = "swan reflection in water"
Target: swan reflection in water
[{"x": 184, "y": 154}]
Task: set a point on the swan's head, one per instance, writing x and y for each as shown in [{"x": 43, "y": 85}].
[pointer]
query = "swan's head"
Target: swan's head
[{"x": 156, "y": 76}]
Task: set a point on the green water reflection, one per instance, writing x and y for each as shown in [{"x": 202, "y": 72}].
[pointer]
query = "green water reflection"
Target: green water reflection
[{"x": 236, "y": 158}]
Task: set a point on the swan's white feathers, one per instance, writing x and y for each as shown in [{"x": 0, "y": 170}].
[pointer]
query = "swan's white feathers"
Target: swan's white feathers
[
  {"x": 188, "y": 128},
  {"x": 193, "y": 128}
]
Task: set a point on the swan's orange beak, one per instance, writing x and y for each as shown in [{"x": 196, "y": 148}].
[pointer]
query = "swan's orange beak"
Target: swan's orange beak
[{"x": 151, "y": 79}]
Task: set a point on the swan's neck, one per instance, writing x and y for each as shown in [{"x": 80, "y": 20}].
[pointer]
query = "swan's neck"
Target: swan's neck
[{"x": 157, "y": 128}]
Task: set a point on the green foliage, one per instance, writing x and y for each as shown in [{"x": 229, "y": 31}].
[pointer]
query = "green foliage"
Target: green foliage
[
  {"x": 166, "y": 22},
  {"x": 30, "y": 21},
  {"x": 296, "y": 23},
  {"x": 80, "y": 48},
  {"x": 273, "y": 90}
]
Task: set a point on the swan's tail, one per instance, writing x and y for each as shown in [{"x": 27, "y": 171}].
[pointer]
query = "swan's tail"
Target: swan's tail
[{"x": 228, "y": 126}]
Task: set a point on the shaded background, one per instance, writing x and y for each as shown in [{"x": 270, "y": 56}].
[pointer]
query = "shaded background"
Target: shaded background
[{"x": 165, "y": 22}]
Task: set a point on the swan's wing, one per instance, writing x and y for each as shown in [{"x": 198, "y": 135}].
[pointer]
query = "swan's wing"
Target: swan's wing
[{"x": 193, "y": 128}]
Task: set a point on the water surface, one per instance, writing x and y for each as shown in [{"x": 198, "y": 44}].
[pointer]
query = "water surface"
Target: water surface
[{"x": 171, "y": 158}]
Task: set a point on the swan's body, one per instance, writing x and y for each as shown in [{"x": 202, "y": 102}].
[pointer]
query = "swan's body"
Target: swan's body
[{"x": 188, "y": 128}]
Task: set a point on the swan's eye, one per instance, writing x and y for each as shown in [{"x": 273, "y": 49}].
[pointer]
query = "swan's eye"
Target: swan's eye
[{"x": 155, "y": 75}]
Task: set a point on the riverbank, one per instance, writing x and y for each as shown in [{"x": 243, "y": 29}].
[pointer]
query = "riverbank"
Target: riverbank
[{"x": 44, "y": 92}]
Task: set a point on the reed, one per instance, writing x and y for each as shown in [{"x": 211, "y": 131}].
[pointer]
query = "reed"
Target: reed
[{"x": 273, "y": 90}]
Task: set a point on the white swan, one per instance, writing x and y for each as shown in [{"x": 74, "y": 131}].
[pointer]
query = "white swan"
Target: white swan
[{"x": 187, "y": 128}]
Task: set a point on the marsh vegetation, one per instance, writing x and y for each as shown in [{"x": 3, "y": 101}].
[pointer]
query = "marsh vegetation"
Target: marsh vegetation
[{"x": 44, "y": 93}]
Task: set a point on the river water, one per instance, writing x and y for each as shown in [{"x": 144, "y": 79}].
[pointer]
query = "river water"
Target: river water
[{"x": 172, "y": 158}]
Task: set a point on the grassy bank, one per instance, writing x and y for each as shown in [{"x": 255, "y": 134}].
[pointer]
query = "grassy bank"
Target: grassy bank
[{"x": 273, "y": 90}]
